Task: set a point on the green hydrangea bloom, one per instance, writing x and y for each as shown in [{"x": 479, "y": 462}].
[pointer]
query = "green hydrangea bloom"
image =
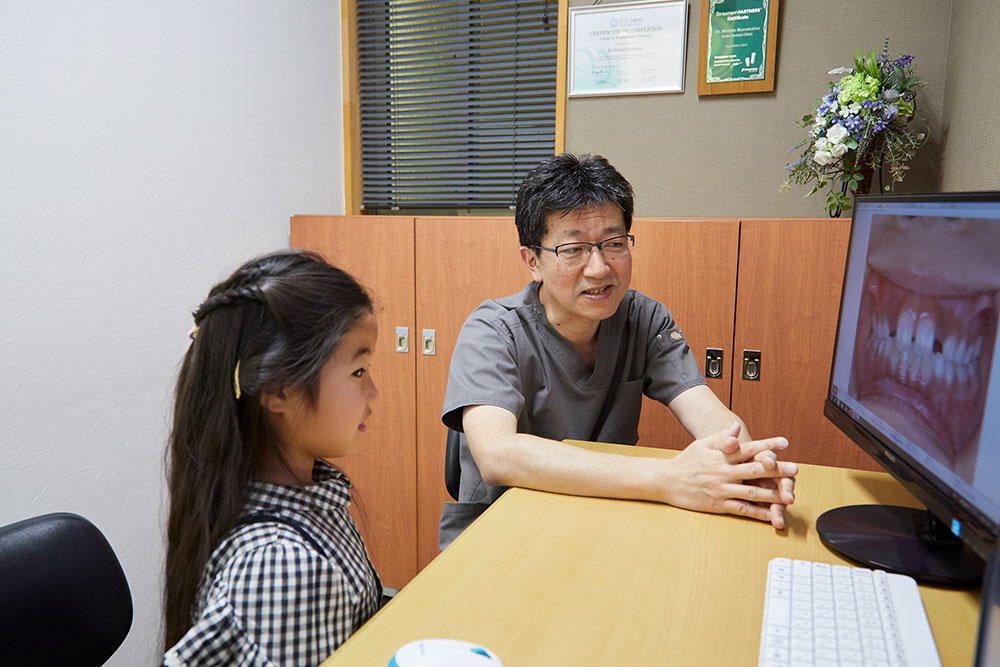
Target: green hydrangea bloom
[{"x": 858, "y": 88}]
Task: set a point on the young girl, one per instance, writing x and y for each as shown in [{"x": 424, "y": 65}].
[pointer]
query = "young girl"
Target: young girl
[{"x": 264, "y": 563}]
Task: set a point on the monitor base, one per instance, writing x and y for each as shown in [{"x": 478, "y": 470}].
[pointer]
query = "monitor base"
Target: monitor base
[{"x": 903, "y": 540}]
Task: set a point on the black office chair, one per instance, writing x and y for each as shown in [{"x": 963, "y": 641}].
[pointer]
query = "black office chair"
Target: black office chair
[
  {"x": 452, "y": 464},
  {"x": 64, "y": 599}
]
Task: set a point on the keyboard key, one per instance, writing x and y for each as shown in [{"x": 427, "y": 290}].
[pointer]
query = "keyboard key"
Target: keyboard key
[
  {"x": 850, "y": 656},
  {"x": 802, "y": 644},
  {"x": 777, "y": 630},
  {"x": 776, "y": 653},
  {"x": 778, "y": 611},
  {"x": 826, "y": 643},
  {"x": 802, "y": 656},
  {"x": 875, "y": 655},
  {"x": 826, "y": 654}
]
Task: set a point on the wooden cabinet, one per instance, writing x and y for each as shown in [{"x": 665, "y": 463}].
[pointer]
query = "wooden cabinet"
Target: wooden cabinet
[
  {"x": 690, "y": 266},
  {"x": 460, "y": 262},
  {"x": 379, "y": 253},
  {"x": 766, "y": 285},
  {"x": 787, "y": 302},
  {"x": 423, "y": 274}
]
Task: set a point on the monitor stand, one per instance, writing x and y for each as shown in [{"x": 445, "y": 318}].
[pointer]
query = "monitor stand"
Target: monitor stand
[{"x": 903, "y": 540}]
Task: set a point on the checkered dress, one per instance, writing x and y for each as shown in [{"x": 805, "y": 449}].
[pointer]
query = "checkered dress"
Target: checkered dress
[{"x": 288, "y": 585}]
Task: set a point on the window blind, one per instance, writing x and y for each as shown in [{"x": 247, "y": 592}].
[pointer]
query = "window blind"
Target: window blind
[{"x": 457, "y": 100}]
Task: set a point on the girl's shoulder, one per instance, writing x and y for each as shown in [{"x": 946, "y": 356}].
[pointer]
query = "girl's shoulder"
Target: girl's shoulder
[
  {"x": 258, "y": 536},
  {"x": 266, "y": 574},
  {"x": 274, "y": 526}
]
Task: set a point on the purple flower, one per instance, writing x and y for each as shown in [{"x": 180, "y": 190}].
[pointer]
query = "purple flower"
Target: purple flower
[
  {"x": 801, "y": 160},
  {"x": 903, "y": 61},
  {"x": 829, "y": 102},
  {"x": 854, "y": 124}
]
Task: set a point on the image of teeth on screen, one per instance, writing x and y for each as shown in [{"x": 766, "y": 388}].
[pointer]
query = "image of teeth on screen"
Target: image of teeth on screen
[{"x": 926, "y": 332}]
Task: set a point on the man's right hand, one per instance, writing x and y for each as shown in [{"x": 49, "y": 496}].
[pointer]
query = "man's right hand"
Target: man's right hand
[{"x": 720, "y": 475}]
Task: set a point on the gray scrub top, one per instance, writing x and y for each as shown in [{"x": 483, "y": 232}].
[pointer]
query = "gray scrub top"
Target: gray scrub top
[{"x": 508, "y": 355}]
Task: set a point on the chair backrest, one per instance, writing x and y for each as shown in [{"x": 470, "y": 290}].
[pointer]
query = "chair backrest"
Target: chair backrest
[
  {"x": 452, "y": 464},
  {"x": 64, "y": 598}
]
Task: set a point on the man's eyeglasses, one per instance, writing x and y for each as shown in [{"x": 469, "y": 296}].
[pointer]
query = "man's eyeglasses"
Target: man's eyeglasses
[{"x": 578, "y": 253}]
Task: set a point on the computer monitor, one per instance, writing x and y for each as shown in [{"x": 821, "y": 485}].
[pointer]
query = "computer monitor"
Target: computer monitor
[{"x": 915, "y": 381}]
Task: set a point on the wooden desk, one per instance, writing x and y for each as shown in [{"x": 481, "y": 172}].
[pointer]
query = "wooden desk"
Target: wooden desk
[{"x": 546, "y": 579}]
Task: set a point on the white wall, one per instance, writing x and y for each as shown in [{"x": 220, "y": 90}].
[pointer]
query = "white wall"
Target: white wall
[{"x": 146, "y": 149}]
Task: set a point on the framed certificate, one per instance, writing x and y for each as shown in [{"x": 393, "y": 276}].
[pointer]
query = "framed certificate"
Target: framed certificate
[
  {"x": 737, "y": 49},
  {"x": 627, "y": 48}
]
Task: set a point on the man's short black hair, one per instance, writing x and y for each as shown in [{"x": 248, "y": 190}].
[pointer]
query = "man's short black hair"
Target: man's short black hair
[{"x": 568, "y": 183}]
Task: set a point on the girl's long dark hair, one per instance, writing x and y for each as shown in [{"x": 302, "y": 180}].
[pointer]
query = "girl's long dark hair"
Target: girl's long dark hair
[{"x": 280, "y": 317}]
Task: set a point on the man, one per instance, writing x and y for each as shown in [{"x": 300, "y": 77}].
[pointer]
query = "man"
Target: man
[{"x": 570, "y": 356}]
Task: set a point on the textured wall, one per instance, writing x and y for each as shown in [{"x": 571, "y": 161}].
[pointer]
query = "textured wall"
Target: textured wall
[
  {"x": 145, "y": 150},
  {"x": 970, "y": 140},
  {"x": 724, "y": 155}
]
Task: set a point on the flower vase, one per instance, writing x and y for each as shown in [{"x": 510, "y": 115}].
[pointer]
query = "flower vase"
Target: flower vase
[
  {"x": 865, "y": 184},
  {"x": 867, "y": 174}
]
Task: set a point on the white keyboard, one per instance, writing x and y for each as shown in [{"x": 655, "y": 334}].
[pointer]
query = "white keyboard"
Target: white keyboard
[{"x": 822, "y": 614}]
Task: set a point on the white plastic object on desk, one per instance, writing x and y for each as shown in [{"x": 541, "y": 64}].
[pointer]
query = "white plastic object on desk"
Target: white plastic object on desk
[{"x": 444, "y": 653}]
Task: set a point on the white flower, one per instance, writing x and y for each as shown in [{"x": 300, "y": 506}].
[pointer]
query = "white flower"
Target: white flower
[
  {"x": 822, "y": 158},
  {"x": 837, "y": 133},
  {"x": 822, "y": 144},
  {"x": 855, "y": 107},
  {"x": 844, "y": 112},
  {"x": 833, "y": 106},
  {"x": 838, "y": 150},
  {"x": 890, "y": 94},
  {"x": 841, "y": 70}
]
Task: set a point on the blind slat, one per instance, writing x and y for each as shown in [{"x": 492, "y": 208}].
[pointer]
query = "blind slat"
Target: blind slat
[{"x": 457, "y": 99}]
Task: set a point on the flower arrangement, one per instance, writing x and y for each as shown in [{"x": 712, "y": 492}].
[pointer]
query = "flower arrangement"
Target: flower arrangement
[{"x": 863, "y": 123}]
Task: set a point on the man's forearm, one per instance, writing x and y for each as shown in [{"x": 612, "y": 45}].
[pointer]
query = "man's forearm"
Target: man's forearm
[{"x": 548, "y": 465}]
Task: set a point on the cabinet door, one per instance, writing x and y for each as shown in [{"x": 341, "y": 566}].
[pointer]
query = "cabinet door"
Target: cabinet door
[
  {"x": 689, "y": 266},
  {"x": 378, "y": 252},
  {"x": 790, "y": 275},
  {"x": 460, "y": 262}
]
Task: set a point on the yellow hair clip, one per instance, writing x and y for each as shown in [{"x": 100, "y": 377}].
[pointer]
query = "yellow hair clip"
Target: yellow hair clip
[
  {"x": 194, "y": 332},
  {"x": 236, "y": 380}
]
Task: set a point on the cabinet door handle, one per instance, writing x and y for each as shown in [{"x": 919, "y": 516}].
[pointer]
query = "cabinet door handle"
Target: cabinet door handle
[
  {"x": 429, "y": 345},
  {"x": 713, "y": 362},
  {"x": 402, "y": 339},
  {"x": 751, "y": 364}
]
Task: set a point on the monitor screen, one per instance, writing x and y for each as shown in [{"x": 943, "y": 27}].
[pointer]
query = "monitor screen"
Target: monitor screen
[{"x": 915, "y": 379}]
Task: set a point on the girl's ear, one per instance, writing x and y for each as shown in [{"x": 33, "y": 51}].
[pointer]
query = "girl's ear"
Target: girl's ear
[{"x": 274, "y": 401}]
